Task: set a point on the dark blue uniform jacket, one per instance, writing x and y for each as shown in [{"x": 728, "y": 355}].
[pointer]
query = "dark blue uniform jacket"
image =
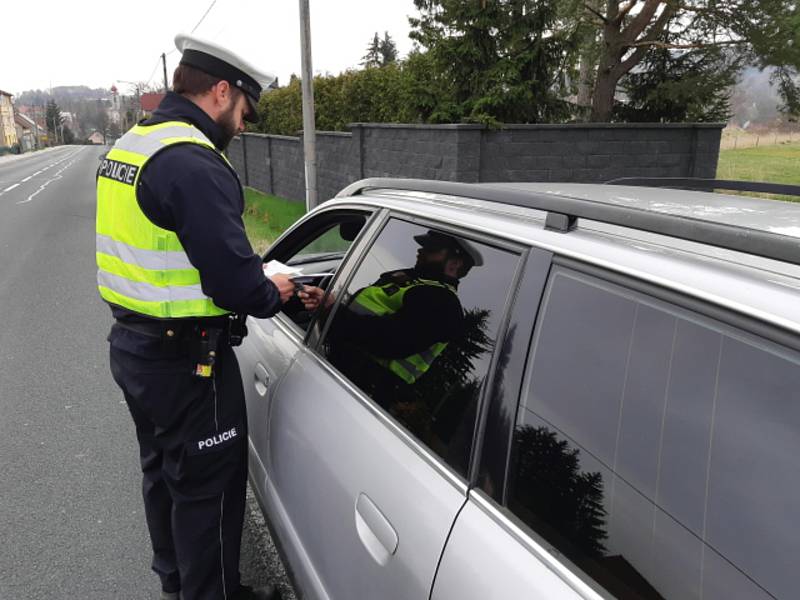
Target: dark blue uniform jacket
[{"x": 189, "y": 190}]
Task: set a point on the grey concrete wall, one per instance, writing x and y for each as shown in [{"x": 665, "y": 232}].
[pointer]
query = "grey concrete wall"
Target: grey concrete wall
[
  {"x": 417, "y": 151},
  {"x": 236, "y": 157},
  {"x": 599, "y": 152},
  {"x": 472, "y": 153},
  {"x": 337, "y": 163}
]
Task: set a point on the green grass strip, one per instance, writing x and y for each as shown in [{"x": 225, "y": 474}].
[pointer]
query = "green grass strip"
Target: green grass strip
[
  {"x": 266, "y": 217},
  {"x": 773, "y": 164}
]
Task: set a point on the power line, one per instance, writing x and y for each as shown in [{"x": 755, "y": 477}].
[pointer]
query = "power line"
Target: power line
[
  {"x": 205, "y": 14},
  {"x": 152, "y": 74},
  {"x": 213, "y": 2}
]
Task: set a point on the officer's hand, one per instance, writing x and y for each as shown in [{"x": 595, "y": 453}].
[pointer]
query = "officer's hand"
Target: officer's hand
[
  {"x": 311, "y": 297},
  {"x": 284, "y": 285}
]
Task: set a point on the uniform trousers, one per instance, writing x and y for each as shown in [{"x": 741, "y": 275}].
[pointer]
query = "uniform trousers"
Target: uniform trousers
[{"x": 192, "y": 435}]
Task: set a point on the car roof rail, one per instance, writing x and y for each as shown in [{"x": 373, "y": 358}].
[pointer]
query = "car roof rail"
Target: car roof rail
[
  {"x": 563, "y": 211},
  {"x": 700, "y": 184}
]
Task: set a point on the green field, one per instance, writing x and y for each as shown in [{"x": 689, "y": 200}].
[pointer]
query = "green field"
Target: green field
[
  {"x": 266, "y": 217},
  {"x": 774, "y": 164}
]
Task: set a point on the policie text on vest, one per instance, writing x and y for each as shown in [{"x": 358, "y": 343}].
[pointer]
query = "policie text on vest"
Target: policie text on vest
[{"x": 118, "y": 171}]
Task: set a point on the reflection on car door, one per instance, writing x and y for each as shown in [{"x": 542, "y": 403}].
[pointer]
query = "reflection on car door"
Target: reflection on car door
[
  {"x": 271, "y": 346},
  {"x": 370, "y": 508}
]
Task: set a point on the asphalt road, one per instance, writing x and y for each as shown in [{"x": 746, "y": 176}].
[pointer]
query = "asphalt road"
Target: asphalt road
[{"x": 71, "y": 518}]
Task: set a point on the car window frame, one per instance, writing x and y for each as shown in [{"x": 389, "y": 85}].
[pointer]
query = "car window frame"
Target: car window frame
[
  {"x": 491, "y": 456},
  {"x": 372, "y": 214},
  {"x": 343, "y": 282}
]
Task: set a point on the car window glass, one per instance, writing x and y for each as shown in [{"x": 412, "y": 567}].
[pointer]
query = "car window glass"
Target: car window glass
[
  {"x": 656, "y": 448},
  {"x": 416, "y": 328},
  {"x": 330, "y": 241},
  {"x": 317, "y": 249}
]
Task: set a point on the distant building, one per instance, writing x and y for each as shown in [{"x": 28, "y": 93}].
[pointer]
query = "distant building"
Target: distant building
[
  {"x": 150, "y": 102},
  {"x": 35, "y": 114},
  {"x": 96, "y": 138},
  {"x": 26, "y": 132},
  {"x": 8, "y": 131},
  {"x": 115, "y": 107}
]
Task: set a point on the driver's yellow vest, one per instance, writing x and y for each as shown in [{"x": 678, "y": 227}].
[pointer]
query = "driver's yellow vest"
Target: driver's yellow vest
[
  {"x": 140, "y": 266},
  {"x": 387, "y": 299}
]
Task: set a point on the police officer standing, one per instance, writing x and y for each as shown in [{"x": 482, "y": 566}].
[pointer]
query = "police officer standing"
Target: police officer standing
[{"x": 176, "y": 268}]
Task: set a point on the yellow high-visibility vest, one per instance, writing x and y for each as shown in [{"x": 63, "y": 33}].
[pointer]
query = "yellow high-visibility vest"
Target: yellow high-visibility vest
[
  {"x": 387, "y": 299},
  {"x": 141, "y": 266}
]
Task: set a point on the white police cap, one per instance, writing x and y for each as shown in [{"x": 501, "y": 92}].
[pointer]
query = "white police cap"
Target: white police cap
[{"x": 220, "y": 62}]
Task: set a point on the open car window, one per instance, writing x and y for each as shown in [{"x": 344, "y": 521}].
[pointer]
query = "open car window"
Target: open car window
[{"x": 316, "y": 249}]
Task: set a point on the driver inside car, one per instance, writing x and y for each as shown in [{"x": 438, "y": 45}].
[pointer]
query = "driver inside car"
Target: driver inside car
[{"x": 388, "y": 334}]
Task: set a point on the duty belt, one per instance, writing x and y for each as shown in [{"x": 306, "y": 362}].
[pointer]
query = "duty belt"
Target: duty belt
[
  {"x": 232, "y": 329},
  {"x": 172, "y": 331},
  {"x": 202, "y": 336}
]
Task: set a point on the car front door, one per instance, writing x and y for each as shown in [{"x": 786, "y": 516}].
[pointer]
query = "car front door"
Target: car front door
[
  {"x": 368, "y": 489},
  {"x": 316, "y": 245}
]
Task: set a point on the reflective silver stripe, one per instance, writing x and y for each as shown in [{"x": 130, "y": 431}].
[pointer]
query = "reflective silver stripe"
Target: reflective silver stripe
[
  {"x": 138, "y": 144},
  {"x": 147, "y": 292},
  {"x": 151, "y": 142},
  {"x": 178, "y": 131},
  {"x": 428, "y": 356},
  {"x": 148, "y": 259},
  {"x": 410, "y": 367},
  {"x": 360, "y": 309}
]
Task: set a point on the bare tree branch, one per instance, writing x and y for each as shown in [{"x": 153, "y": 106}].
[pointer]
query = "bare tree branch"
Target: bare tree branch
[
  {"x": 612, "y": 7},
  {"x": 596, "y": 13},
  {"x": 658, "y": 44},
  {"x": 642, "y": 20},
  {"x": 625, "y": 10},
  {"x": 652, "y": 36}
]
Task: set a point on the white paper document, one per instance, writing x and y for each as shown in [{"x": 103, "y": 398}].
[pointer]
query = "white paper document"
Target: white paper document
[{"x": 275, "y": 267}]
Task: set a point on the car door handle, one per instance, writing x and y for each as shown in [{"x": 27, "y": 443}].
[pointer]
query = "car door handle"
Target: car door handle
[
  {"x": 262, "y": 379},
  {"x": 375, "y": 531}
]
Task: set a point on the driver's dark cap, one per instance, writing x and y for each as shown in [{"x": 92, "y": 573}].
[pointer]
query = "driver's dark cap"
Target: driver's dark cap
[
  {"x": 220, "y": 62},
  {"x": 435, "y": 240}
]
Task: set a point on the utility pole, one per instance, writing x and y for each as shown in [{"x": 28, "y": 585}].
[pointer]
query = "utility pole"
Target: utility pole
[
  {"x": 309, "y": 126},
  {"x": 164, "y": 64}
]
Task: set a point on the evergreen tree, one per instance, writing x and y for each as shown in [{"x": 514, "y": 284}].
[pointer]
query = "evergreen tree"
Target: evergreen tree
[
  {"x": 674, "y": 86},
  {"x": 556, "y": 496},
  {"x": 373, "y": 56},
  {"x": 501, "y": 61},
  {"x": 387, "y": 49},
  {"x": 67, "y": 137},
  {"x": 54, "y": 120}
]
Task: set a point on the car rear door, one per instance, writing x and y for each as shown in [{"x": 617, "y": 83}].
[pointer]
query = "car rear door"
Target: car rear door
[
  {"x": 367, "y": 494},
  {"x": 644, "y": 456}
]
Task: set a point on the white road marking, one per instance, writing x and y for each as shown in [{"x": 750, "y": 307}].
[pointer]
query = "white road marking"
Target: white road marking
[
  {"x": 68, "y": 156},
  {"x": 57, "y": 175}
]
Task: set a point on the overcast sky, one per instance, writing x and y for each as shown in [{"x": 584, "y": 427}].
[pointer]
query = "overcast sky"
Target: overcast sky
[{"x": 98, "y": 43}]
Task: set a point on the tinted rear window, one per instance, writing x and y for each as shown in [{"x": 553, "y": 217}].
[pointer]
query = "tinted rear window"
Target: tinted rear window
[{"x": 657, "y": 448}]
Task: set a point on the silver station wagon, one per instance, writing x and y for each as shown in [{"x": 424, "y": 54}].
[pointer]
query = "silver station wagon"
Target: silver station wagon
[{"x": 533, "y": 391}]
